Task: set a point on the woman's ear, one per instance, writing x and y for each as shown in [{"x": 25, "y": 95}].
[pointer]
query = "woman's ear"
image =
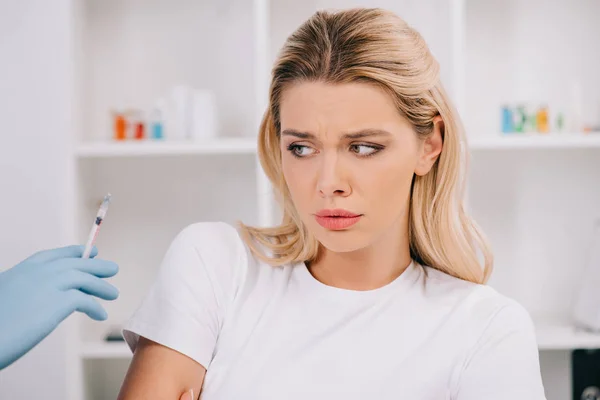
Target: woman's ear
[{"x": 432, "y": 147}]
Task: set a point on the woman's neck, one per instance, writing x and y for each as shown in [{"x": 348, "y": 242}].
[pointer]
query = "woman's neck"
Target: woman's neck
[{"x": 366, "y": 269}]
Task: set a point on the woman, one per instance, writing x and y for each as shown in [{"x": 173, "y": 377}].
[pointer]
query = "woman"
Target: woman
[{"x": 372, "y": 286}]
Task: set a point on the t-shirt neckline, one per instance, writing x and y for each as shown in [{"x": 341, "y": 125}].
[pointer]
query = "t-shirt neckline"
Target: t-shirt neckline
[{"x": 406, "y": 278}]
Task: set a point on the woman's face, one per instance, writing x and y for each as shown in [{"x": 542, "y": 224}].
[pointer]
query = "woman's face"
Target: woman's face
[{"x": 348, "y": 159}]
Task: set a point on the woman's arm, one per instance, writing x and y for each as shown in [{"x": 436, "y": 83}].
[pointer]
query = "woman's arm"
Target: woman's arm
[
  {"x": 158, "y": 372},
  {"x": 174, "y": 332}
]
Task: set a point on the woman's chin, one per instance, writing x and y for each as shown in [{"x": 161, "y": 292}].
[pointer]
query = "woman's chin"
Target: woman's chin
[{"x": 341, "y": 241}]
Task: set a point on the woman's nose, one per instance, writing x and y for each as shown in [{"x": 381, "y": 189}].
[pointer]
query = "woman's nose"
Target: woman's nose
[{"x": 332, "y": 178}]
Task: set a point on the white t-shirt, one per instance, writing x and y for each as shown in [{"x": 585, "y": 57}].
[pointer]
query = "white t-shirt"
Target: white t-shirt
[{"x": 266, "y": 332}]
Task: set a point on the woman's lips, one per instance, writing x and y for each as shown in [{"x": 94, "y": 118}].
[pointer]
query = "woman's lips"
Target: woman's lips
[{"x": 336, "y": 219}]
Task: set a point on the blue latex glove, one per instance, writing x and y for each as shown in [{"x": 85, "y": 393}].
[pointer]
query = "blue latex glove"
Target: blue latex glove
[{"x": 40, "y": 292}]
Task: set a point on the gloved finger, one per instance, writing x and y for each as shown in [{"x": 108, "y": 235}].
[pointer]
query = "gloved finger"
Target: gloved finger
[
  {"x": 79, "y": 301},
  {"x": 88, "y": 284},
  {"x": 96, "y": 267},
  {"x": 45, "y": 256}
]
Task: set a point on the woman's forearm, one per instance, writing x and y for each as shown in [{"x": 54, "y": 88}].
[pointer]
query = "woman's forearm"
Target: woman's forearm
[{"x": 158, "y": 372}]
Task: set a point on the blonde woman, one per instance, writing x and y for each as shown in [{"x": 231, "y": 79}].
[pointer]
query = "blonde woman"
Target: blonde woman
[{"x": 373, "y": 285}]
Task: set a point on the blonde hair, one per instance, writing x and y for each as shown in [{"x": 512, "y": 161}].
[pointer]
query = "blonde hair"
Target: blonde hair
[{"x": 378, "y": 47}]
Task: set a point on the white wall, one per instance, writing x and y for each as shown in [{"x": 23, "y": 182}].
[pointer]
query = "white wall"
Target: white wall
[
  {"x": 536, "y": 51},
  {"x": 35, "y": 90},
  {"x": 135, "y": 51}
]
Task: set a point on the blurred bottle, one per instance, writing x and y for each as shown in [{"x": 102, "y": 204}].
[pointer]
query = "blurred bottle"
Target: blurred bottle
[
  {"x": 542, "y": 120},
  {"x": 519, "y": 119},
  {"x": 156, "y": 119},
  {"x": 507, "y": 119},
  {"x": 204, "y": 117},
  {"x": 138, "y": 125},
  {"x": 178, "y": 121},
  {"x": 530, "y": 122},
  {"x": 120, "y": 125},
  {"x": 560, "y": 122}
]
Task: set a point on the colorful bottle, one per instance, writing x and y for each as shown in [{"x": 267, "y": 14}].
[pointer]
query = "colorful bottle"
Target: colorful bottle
[
  {"x": 528, "y": 119},
  {"x": 139, "y": 130},
  {"x": 519, "y": 119},
  {"x": 542, "y": 120},
  {"x": 507, "y": 119},
  {"x": 157, "y": 130},
  {"x": 156, "y": 120},
  {"x": 120, "y": 126},
  {"x": 560, "y": 122},
  {"x": 138, "y": 126}
]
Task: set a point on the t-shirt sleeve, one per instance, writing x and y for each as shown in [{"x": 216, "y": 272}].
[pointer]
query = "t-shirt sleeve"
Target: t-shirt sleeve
[
  {"x": 185, "y": 307},
  {"x": 504, "y": 363}
]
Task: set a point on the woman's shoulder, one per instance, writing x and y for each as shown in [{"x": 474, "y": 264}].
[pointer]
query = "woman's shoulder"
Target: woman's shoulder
[
  {"x": 438, "y": 281},
  {"x": 212, "y": 247},
  {"x": 215, "y": 237},
  {"x": 481, "y": 305},
  {"x": 489, "y": 333},
  {"x": 218, "y": 252},
  {"x": 218, "y": 245}
]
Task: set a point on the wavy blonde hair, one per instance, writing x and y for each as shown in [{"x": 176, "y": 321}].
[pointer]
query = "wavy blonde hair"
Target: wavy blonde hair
[{"x": 378, "y": 47}]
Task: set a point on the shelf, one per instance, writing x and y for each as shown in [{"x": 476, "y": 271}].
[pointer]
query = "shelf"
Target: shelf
[
  {"x": 248, "y": 145},
  {"x": 557, "y": 336},
  {"x": 166, "y": 148},
  {"x": 105, "y": 350},
  {"x": 550, "y": 336},
  {"x": 535, "y": 141}
]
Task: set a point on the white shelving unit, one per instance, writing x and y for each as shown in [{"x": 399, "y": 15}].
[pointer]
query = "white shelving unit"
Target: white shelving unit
[
  {"x": 515, "y": 141},
  {"x": 227, "y": 146},
  {"x": 231, "y": 146},
  {"x": 534, "y": 195},
  {"x": 561, "y": 336},
  {"x": 549, "y": 337},
  {"x": 131, "y": 53}
]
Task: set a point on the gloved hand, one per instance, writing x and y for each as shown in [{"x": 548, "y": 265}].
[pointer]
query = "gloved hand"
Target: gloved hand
[{"x": 41, "y": 291}]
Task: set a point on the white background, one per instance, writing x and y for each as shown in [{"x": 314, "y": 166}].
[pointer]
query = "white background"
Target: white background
[{"x": 64, "y": 64}]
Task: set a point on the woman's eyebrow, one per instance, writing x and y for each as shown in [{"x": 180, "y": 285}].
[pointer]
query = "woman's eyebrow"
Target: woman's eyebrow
[
  {"x": 354, "y": 135},
  {"x": 298, "y": 134},
  {"x": 366, "y": 133}
]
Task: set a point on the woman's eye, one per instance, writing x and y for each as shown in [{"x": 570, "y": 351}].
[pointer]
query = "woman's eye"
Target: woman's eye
[
  {"x": 363, "y": 149},
  {"x": 299, "y": 150}
]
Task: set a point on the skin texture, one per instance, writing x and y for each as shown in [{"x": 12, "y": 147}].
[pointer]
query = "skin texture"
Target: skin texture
[
  {"x": 332, "y": 172},
  {"x": 368, "y": 175}
]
